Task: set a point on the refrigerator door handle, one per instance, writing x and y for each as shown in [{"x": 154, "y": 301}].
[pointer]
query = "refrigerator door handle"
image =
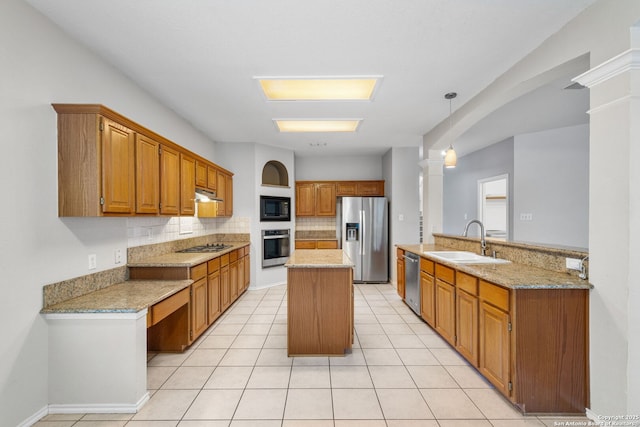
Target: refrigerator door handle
[{"x": 363, "y": 233}]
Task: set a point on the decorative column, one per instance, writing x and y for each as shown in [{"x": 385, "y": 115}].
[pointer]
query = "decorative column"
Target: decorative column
[
  {"x": 432, "y": 194},
  {"x": 614, "y": 234}
]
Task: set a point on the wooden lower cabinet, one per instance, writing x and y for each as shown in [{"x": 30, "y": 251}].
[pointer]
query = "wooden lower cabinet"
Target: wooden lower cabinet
[
  {"x": 446, "y": 311},
  {"x": 400, "y": 278},
  {"x": 199, "y": 305},
  {"x": 531, "y": 344},
  {"x": 467, "y": 326},
  {"x": 225, "y": 288},
  {"x": 428, "y": 298},
  {"x": 316, "y": 244},
  {"x": 494, "y": 346}
]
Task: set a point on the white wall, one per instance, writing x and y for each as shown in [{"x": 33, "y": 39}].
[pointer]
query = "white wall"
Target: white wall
[
  {"x": 401, "y": 173},
  {"x": 551, "y": 182},
  {"x": 338, "y": 168},
  {"x": 247, "y": 161},
  {"x": 42, "y": 65}
]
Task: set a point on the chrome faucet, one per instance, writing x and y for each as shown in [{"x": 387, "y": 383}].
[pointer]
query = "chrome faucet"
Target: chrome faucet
[{"x": 483, "y": 241}]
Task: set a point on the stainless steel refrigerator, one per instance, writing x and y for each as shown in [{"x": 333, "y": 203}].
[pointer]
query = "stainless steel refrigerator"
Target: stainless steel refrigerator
[{"x": 364, "y": 230}]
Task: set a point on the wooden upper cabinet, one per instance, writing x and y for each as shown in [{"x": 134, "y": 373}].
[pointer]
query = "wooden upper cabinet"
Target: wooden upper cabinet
[
  {"x": 305, "y": 199},
  {"x": 359, "y": 188},
  {"x": 346, "y": 188},
  {"x": 169, "y": 181},
  {"x": 147, "y": 175},
  {"x": 228, "y": 201},
  {"x": 201, "y": 174},
  {"x": 109, "y": 165},
  {"x": 212, "y": 178},
  {"x": 187, "y": 185},
  {"x": 96, "y": 164},
  {"x": 315, "y": 199},
  {"x": 326, "y": 199},
  {"x": 370, "y": 188}
]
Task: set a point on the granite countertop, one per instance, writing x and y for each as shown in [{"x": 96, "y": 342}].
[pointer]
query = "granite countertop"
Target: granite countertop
[
  {"x": 319, "y": 258},
  {"x": 509, "y": 275},
  {"x": 184, "y": 259},
  {"x": 125, "y": 297}
]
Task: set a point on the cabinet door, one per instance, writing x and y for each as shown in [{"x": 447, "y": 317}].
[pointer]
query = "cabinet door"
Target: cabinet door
[
  {"x": 467, "y": 326},
  {"x": 118, "y": 168},
  {"x": 187, "y": 185},
  {"x": 428, "y": 298},
  {"x": 445, "y": 310},
  {"x": 400, "y": 272},
  {"x": 326, "y": 199},
  {"x": 147, "y": 175},
  {"x": 247, "y": 269},
  {"x": 233, "y": 280},
  {"x": 221, "y": 183},
  {"x": 494, "y": 346},
  {"x": 305, "y": 199},
  {"x": 241, "y": 274},
  {"x": 228, "y": 201},
  {"x": 212, "y": 178},
  {"x": 213, "y": 283},
  {"x": 346, "y": 188},
  {"x": 370, "y": 188},
  {"x": 169, "y": 181},
  {"x": 199, "y": 303},
  {"x": 225, "y": 291},
  {"x": 201, "y": 174}
]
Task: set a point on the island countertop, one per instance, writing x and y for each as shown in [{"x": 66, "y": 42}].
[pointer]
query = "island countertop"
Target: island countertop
[{"x": 319, "y": 258}]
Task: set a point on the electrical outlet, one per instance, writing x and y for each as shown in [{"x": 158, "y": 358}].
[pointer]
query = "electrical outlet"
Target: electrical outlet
[
  {"x": 118, "y": 256},
  {"x": 573, "y": 264},
  {"x": 92, "y": 262}
]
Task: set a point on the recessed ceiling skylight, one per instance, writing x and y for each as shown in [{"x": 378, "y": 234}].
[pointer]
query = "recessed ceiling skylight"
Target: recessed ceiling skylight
[
  {"x": 317, "y": 125},
  {"x": 318, "y": 89}
]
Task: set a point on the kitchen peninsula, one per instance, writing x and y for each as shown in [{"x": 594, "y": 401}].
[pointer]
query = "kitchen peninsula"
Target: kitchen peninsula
[{"x": 319, "y": 303}]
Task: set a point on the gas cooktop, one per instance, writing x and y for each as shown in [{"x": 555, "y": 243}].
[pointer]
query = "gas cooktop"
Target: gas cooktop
[{"x": 214, "y": 247}]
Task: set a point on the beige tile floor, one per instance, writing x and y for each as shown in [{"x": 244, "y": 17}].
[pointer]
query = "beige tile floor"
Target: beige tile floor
[{"x": 399, "y": 374}]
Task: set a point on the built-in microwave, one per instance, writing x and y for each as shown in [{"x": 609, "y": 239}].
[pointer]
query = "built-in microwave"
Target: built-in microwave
[{"x": 273, "y": 208}]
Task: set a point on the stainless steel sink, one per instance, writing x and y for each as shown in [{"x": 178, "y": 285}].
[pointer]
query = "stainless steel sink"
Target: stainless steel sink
[{"x": 463, "y": 257}]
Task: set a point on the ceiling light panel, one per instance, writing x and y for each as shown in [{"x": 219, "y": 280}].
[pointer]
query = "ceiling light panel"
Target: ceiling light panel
[
  {"x": 317, "y": 125},
  {"x": 318, "y": 89}
]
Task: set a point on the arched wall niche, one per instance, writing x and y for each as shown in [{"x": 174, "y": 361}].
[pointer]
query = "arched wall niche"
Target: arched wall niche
[{"x": 275, "y": 173}]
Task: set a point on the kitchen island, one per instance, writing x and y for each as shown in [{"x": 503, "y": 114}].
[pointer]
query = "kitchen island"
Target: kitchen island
[{"x": 319, "y": 303}]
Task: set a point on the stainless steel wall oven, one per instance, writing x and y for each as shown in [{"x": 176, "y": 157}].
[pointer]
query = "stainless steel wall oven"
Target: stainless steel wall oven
[{"x": 276, "y": 247}]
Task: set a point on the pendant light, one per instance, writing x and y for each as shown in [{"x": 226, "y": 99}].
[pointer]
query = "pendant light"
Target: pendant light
[{"x": 450, "y": 157}]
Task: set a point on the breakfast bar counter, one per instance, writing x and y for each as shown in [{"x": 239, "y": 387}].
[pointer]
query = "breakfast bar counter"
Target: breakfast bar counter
[{"x": 319, "y": 303}]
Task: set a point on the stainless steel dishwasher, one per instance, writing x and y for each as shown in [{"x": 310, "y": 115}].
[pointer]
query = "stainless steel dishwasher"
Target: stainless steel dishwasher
[{"x": 412, "y": 281}]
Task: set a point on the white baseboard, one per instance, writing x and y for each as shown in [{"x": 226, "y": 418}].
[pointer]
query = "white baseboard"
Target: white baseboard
[
  {"x": 35, "y": 417},
  {"x": 99, "y": 408},
  {"x": 591, "y": 415}
]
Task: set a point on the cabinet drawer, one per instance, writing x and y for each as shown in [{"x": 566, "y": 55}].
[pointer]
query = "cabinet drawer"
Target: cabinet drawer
[
  {"x": 427, "y": 265},
  {"x": 445, "y": 273},
  {"x": 467, "y": 282},
  {"x": 495, "y": 295},
  {"x": 224, "y": 260},
  {"x": 233, "y": 256},
  {"x": 327, "y": 244},
  {"x": 167, "y": 306},
  {"x": 199, "y": 271},
  {"x": 214, "y": 265},
  {"x": 305, "y": 244},
  {"x": 400, "y": 253}
]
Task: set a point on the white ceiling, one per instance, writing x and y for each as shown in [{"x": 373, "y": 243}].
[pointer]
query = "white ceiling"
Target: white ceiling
[{"x": 200, "y": 57}]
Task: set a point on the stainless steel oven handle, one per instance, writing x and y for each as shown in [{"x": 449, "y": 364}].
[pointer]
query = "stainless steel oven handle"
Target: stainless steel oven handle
[{"x": 276, "y": 237}]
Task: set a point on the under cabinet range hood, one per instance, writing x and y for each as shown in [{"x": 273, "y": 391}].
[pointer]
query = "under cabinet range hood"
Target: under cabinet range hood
[{"x": 203, "y": 195}]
